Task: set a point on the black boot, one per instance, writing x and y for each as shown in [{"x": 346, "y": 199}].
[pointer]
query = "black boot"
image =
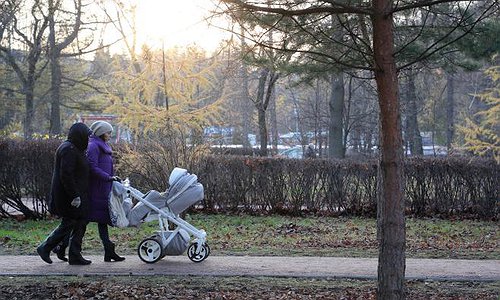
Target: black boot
[
  {"x": 60, "y": 251},
  {"x": 75, "y": 244},
  {"x": 110, "y": 254},
  {"x": 79, "y": 260},
  {"x": 44, "y": 253},
  {"x": 58, "y": 236}
]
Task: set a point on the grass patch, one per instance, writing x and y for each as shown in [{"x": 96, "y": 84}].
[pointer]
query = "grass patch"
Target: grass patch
[{"x": 283, "y": 235}]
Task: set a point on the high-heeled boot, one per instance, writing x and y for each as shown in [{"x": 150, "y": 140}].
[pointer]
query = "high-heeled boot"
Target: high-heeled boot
[
  {"x": 60, "y": 250},
  {"x": 110, "y": 254}
]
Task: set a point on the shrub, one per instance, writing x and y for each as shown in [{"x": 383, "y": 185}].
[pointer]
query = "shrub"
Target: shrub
[
  {"x": 25, "y": 175},
  {"x": 442, "y": 187}
]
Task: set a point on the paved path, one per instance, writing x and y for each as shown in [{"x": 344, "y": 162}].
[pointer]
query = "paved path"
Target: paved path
[{"x": 320, "y": 267}]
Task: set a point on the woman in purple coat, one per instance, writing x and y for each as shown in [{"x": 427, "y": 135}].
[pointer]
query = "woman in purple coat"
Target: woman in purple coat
[{"x": 99, "y": 155}]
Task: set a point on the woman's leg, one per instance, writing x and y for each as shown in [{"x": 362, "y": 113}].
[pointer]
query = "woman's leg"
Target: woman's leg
[
  {"x": 109, "y": 247},
  {"x": 55, "y": 237},
  {"x": 75, "y": 243},
  {"x": 104, "y": 234}
]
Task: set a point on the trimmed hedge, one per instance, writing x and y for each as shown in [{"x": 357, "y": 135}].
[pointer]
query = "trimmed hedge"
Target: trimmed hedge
[
  {"x": 434, "y": 187},
  {"x": 25, "y": 175},
  {"x": 452, "y": 187}
]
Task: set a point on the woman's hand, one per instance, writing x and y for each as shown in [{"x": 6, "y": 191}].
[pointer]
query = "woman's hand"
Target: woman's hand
[{"x": 76, "y": 202}]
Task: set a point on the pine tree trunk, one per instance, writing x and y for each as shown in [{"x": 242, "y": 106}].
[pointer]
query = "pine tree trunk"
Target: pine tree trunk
[
  {"x": 336, "y": 106},
  {"x": 390, "y": 204}
]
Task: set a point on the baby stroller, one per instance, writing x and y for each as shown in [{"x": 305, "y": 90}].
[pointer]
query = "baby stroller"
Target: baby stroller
[{"x": 174, "y": 235}]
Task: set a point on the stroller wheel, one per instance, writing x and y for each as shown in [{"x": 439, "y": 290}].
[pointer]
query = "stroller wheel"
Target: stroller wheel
[
  {"x": 198, "y": 257},
  {"x": 150, "y": 250}
]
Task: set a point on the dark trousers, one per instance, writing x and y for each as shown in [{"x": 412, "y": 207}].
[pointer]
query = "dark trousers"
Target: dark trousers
[
  {"x": 70, "y": 231},
  {"x": 103, "y": 234}
]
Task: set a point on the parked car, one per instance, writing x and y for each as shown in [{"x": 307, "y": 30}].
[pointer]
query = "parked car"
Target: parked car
[{"x": 294, "y": 152}]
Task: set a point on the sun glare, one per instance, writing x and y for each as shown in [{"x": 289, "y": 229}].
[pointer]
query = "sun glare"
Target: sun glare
[{"x": 176, "y": 23}]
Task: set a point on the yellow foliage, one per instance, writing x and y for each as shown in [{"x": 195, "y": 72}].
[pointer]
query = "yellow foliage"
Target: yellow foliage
[
  {"x": 482, "y": 137},
  {"x": 170, "y": 90},
  {"x": 12, "y": 130}
]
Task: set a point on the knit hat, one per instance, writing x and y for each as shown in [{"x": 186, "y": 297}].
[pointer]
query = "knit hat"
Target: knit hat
[{"x": 101, "y": 127}]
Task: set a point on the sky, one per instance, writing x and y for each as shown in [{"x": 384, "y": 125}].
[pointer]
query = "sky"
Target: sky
[{"x": 176, "y": 23}]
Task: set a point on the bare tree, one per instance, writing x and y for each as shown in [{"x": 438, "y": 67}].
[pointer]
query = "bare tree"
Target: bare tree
[
  {"x": 265, "y": 88},
  {"x": 56, "y": 46},
  {"x": 7, "y": 13},
  {"x": 27, "y": 65},
  {"x": 71, "y": 34}
]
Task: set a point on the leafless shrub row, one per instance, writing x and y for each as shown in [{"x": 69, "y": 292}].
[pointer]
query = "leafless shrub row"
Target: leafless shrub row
[{"x": 455, "y": 187}]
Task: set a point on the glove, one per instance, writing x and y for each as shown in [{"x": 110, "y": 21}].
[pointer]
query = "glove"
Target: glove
[
  {"x": 116, "y": 178},
  {"x": 76, "y": 202}
]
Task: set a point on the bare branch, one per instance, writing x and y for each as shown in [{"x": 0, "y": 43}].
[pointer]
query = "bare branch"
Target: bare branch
[
  {"x": 73, "y": 54},
  {"x": 76, "y": 27},
  {"x": 424, "y": 3},
  {"x": 84, "y": 82},
  {"x": 415, "y": 37},
  {"x": 8, "y": 56},
  {"x": 340, "y": 9}
]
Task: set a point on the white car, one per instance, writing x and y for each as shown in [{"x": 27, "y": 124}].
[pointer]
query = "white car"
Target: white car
[{"x": 295, "y": 152}]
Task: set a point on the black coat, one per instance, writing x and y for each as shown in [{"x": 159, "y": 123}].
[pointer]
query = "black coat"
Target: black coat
[{"x": 70, "y": 178}]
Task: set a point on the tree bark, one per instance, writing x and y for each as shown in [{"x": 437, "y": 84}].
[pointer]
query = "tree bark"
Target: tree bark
[
  {"x": 413, "y": 132},
  {"x": 273, "y": 120},
  {"x": 29, "y": 111},
  {"x": 336, "y": 105},
  {"x": 261, "y": 111},
  {"x": 55, "y": 50},
  {"x": 265, "y": 90},
  {"x": 450, "y": 109},
  {"x": 390, "y": 204},
  {"x": 55, "y": 81},
  {"x": 29, "y": 93}
]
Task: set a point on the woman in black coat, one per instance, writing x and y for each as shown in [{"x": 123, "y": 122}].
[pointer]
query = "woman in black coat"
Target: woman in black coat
[{"x": 69, "y": 197}]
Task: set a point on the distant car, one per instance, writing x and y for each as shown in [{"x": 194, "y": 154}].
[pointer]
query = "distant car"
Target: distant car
[
  {"x": 435, "y": 150},
  {"x": 295, "y": 152}
]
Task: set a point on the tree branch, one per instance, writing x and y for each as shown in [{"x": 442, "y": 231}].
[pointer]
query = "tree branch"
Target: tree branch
[
  {"x": 427, "y": 53},
  {"x": 341, "y": 9},
  {"x": 76, "y": 27},
  {"x": 424, "y": 3}
]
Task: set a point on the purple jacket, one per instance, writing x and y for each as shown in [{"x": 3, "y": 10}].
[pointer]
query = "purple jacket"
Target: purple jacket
[{"x": 99, "y": 155}]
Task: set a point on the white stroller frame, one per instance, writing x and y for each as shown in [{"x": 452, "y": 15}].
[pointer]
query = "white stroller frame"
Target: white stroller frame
[{"x": 152, "y": 249}]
